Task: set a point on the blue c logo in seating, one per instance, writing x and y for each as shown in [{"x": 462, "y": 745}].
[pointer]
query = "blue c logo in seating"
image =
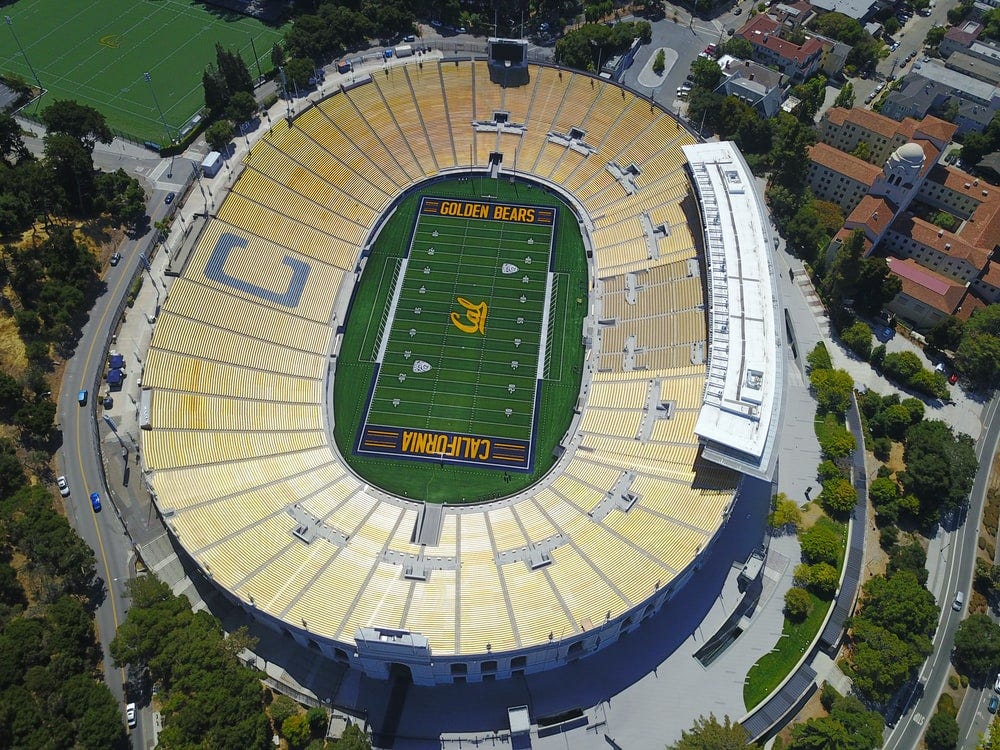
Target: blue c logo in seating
[{"x": 216, "y": 271}]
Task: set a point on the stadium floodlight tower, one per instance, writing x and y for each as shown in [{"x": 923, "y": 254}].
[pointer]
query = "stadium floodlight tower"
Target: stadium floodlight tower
[
  {"x": 149, "y": 79},
  {"x": 10, "y": 25}
]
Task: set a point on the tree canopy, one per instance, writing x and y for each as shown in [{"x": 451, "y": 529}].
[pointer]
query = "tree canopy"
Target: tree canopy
[
  {"x": 940, "y": 465},
  {"x": 711, "y": 734},
  {"x": 79, "y": 121},
  {"x": 977, "y": 646},
  {"x": 209, "y": 696},
  {"x": 586, "y": 47}
]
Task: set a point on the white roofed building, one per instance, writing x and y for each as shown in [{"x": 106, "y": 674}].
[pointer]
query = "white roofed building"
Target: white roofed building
[{"x": 738, "y": 420}]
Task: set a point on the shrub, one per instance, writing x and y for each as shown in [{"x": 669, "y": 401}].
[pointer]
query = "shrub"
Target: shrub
[
  {"x": 823, "y": 580},
  {"x": 281, "y": 709},
  {"x": 953, "y": 681},
  {"x": 883, "y": 491},
  {"x": 828, "y": 470},
  {"x": 786, "y": 514},
  {"x": 797, "y": 603}
]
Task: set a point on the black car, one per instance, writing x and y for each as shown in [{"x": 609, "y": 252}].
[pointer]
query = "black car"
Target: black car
[
  {"x": 115, "y": 258},
  {"x": 169, "y": 199}
]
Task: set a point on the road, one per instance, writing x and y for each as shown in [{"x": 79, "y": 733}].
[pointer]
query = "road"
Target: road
[
  {"x": 973, "y": 718},
  {"x": 906, "y": 734},
  {"x": 80, "y": 455}
]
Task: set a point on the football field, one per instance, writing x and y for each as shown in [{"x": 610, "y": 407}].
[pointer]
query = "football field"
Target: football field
[
  {"x": 97, "y": 52},
  {"x": 460, "y": 347}
]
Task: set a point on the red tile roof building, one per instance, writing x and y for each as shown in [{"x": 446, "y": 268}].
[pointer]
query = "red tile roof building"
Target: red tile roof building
[
  {"x": 797, "y": 61},
  {"x": 942, "y": 271}
]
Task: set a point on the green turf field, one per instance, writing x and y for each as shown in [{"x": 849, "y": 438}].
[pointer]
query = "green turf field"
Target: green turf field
[
  {"x": 462, "y": 388},
  {"x": 97, "y": 52}
]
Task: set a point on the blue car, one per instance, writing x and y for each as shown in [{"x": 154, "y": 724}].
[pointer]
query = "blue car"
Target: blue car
[
  {"x": 95, "y": 502},
  {"x": 994, "y": 704}
]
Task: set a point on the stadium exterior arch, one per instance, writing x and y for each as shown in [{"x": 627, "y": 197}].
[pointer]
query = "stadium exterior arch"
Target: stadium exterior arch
[{"x": 237, "y": 448}]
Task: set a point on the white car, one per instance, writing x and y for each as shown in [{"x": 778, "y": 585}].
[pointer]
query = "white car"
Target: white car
[
  {"x": 63, "y": 486},
  {"x": 130, "y": 715},
  {"x": 996, "y": 685}
]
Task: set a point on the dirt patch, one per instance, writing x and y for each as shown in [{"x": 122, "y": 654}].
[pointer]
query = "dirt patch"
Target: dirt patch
[
  {"x": 896, "y": 462},
  {"x": 810, "y": 512},
  {"x": 813, "y": 709}
]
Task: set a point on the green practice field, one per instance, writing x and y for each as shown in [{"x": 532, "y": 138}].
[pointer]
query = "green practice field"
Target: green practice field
[
  {"x": 455, "y": 330},
  {"x": 97, "y": 52}
]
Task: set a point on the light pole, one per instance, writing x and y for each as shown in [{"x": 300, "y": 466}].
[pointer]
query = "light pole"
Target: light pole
[
  {"x": 10, "y": 25},
  {"x": 260, "y": 75},
  {"x": 156, "y": 101}
]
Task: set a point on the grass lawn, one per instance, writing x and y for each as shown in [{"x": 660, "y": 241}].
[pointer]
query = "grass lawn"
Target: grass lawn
[
  {"x": 773, "y": 667},
  {"x": 97, "y": 53},
  {"x": 466, "y": 389}
]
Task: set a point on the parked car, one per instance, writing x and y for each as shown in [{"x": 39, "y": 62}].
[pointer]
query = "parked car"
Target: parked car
[
  {"x": 95, "y": 502},
  {"x": 130, "y": 715},
  {"x": 996, "y": 685},
  {"x": 994, "y": 704},
  {"x": 115, "y": 258},
  {"x": 63, "y": 486}
]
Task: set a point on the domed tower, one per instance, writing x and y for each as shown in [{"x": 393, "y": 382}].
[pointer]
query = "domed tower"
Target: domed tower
[{"x": 900, "y": 176}]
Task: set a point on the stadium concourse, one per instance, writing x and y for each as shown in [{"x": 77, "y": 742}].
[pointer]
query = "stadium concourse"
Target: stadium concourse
[{"x": 682, "y": 363}]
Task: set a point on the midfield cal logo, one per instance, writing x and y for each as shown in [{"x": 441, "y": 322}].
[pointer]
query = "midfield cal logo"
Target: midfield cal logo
[{"x": 476, "y": 315}]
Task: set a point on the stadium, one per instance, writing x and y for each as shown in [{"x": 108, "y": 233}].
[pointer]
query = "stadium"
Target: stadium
[{"x": 673, "y": 360}]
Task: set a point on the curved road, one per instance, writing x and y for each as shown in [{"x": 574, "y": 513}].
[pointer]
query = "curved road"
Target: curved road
[
  {"x": 906, "y": 734},
  {"x": 80, "y": 453}
]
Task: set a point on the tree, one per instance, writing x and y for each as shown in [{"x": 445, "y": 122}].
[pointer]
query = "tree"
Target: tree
[
  {"x": 901, "y": 605},
  {"x": 277, "y": 55},
  {"x": 946, "y": 333},
  {"x": 786, "y": 513},
  {"x": 883, "y": 492},
  {"x": 710, "y": 734},
  {"x": 978, "y": 357},
  {"x": 282, "y": 707},
  {"x": 845, "y": 98},
  {"x": 660, "y": 62},
  {"x": 942, "y": 732},
  {"x": 935, "y": 35},
  {"x": 797, "y": 603},
  {"x": 219, "y": 134},
  {"x": 838, "y": 497},
  {"x": 79, "y": 121},
  {"x": 882, "y": 661},
  {"x": 820, "y": 543},
  {"x": 233, "y": 70},
  {"x": 295, "y": 729},
  {"x": 214, "y": 86},
  {"x": 738, "y": 47},
  {"x": 318, "y": 721},
  {"x": 706, "y": 72},
  {"x": 71, "y": 167},
  {"x": 858, "y": 338},
  {"x": 833, "y": 390},
  {"x": 12, "y": 148},
  {"x": 242, "y": 107},
  {"x": 835, "y": 440},
  {"x": 298, "y": 72},
  {"x": 823, "y": 580},
  {"x": 910, "y": 557},
  {"x": 977, "y": 646},
  {"x": 819, "y": 358},
  {"x": 940, "y": 466}
]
